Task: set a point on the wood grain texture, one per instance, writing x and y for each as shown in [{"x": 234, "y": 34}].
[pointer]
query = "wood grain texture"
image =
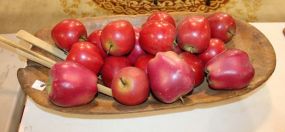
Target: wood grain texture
[{"x": 247, "y": 38}]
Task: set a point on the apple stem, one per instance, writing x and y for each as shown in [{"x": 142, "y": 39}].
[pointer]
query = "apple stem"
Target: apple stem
[
  {"x": 189, "y": 49},
  {"x": 181, "y": 99},
  {"x": 207, "y": 76},
  {"x": 109, "y": 50},
  {"x": 175, "y": 43},
  {"x": 230, "y": 33},
  {"x": 82, "y": 38},
  {"x": 123, "y": 81},
  {"x": 100, "y": 77}
]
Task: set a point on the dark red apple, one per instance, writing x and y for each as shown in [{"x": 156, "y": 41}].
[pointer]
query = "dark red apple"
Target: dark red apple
[
  {"x": 142, "y": 61},
  {"x": 130, "y": 86},
  {"x": 193, "y": 34},
  {"x": 111, "y": 67},
  {"x": 94, "y": 38},
  {"x": 118, "y": 37},
  {"x": 161, "y": 16},
  {"x": 157, "y": 36},
  {"x": 169, "y": 76},
  {"x": 230, "y": 70},
  {"x": 223, "y": 26},
  {"x": 71, "y": 84},
  {"x": 197, "y": 66},
  {"x": 86, "y": 54},
  {"x": 137, "y": 50},
  {"x": 216, "y": 46}
]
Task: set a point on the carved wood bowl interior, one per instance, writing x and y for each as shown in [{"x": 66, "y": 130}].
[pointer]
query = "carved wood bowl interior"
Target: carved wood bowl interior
[{"x": 247, "y": 38}]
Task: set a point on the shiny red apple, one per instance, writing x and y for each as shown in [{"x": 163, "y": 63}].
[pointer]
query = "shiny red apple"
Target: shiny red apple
[
  {"x": 161, "y": 16},
  {"x": 157, "y": 36},
  {"x": 223, "y": 26},
  {"x": 130, "y": 86},
  {"x": 142, "y": 61},
  {"x": 137, "y": 50},
  {"x": 216, "y": 46},
  {"x": 94, "y": 38},
  {"x": 71, "y": 84},
  {"x": 169, "y": 76},
  {"x": 118, "y": 37},
  {"x": 86, "y": 54},
  {"x": 67, "y": 32},
  {"x": 193, "y": 34},
  {"x": 111, "y": 67},
  {"x": 231, "y": 69},
  {"x": 197, "y": 66}
]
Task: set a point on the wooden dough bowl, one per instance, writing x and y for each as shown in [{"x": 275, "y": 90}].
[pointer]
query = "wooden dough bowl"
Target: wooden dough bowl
[{"x": 247, "y": 38}]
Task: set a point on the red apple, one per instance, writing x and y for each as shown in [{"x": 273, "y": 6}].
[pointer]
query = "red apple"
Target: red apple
[
  {"x": 230, "y": 70},
  {"x": 86, "y": 54},
  {"x": 161, "y": 16},
  {"x": 157, "y": 36},
  {"x": 94, "y": 38},
  {"x": 130, "y": 86},
  {"x": 68, "y": 32},
  {"x": 111, "y": 67},
  {"x": 137, "y": 50},
  {"x": 169, "y": 76},
  {"x": 118, "y": 37},
  {"x": 196, "y": 65},
  {"x": 222, "y": 26},
  {"x": 142, "y": 61},
  {"x": 193, "y": 34},
  {"x": 216, "y": 46},
  {"x": 71, "y": 84}
]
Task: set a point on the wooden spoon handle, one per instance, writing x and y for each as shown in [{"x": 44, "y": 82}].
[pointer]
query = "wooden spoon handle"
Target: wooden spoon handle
[
  {"x": 24, "y": 35},
  {"x": 21, "y": 50},
  {"x": 34, "y": 56}
]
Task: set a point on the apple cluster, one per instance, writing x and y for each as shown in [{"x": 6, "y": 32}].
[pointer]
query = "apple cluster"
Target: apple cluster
[{"x": 162, "y": 58}]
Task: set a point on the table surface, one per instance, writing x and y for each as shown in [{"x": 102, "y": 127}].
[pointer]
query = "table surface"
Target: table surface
[
  {"x": 262, "y": 111},
  {"x": 11, "y": 97}
]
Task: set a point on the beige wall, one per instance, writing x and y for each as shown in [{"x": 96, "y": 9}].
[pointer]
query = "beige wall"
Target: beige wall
[{"x": 32, "y": 15}]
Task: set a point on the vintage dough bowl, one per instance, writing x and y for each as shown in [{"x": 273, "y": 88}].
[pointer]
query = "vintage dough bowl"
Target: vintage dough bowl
[{"x": 247, "y": 38}]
